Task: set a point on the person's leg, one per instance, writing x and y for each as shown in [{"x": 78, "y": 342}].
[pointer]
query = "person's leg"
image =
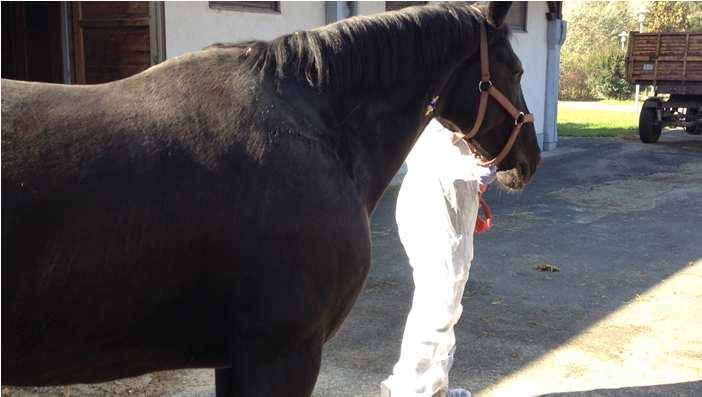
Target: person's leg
[
  {"x": 440, "y": 251},
  {"x": 428, "y": 342}
]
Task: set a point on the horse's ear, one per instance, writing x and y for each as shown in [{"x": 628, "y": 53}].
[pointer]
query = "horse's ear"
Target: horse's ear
[{"x": 497, "y": 11}]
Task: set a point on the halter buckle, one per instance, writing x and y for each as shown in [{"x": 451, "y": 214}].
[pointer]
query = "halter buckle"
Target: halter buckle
[
  {"x": 484, "y": 85},
  {"x": 519, "y": 119}
]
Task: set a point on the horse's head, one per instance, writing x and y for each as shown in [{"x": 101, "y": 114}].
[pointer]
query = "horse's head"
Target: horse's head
[{"x": 461, "y": 100}]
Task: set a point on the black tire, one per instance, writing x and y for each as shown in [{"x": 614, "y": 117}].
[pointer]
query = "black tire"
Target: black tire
[
  {"x": 649, "y": 126},
  {"x": 691, "y": 115}
]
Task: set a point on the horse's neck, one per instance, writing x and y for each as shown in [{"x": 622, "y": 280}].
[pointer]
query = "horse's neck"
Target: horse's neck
[
  {"x": 380, "y": 125},
  {"x": 384, "y": 131}
]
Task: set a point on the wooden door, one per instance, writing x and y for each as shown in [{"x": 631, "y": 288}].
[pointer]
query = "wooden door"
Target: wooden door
[
  {"x": 31, "y": 41},
  {"x": 111, "y": 40}
]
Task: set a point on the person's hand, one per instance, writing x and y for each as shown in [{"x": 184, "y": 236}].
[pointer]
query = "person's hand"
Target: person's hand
[{"x": 487, "y": 175}]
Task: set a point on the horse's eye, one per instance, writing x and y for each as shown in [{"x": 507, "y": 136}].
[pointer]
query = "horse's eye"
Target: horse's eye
[{"x": 518, "y": 73}]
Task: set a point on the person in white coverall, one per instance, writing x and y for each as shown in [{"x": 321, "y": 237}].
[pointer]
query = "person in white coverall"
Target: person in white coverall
[{"x": 436, "y": 215}]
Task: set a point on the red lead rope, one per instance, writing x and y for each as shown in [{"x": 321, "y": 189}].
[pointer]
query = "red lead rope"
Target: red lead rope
[{"x": 483, "y": 224}]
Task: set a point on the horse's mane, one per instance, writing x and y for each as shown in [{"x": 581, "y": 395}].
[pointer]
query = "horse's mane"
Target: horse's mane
[{"x": 369, "y": 51}]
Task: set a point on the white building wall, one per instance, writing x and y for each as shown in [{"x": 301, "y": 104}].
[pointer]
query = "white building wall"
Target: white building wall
[
  {"x": 191, "y": 26},
  {"x": 531, "y": 48},
  {"x": 370, "y": 7}
]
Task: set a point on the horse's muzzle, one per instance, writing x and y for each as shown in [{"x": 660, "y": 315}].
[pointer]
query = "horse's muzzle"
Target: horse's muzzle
[{"x": 511, "y": 180}]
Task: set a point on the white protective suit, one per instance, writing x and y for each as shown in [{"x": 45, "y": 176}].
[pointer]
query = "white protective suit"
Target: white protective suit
[{"x": 436, "y": 214}]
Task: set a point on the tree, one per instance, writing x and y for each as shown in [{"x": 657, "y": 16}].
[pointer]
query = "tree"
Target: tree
[
  {"x": 608, "y": 78},
  {"x": 594, "y": 26},
  {"x": 593, "y": 29},
  {"x": 589, "y": 67},
  {"x": 674, "y": 16}
]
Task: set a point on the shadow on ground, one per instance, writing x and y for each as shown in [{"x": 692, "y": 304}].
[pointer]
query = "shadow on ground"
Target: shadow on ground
[
  {"x": 616, "y": 216},
  {"x": 676, "y": 389}
]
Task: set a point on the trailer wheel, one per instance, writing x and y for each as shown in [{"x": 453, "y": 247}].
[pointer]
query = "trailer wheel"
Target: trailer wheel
[
  {"x": 649, "y": 126},
  {"x": 692, "y": 115}
]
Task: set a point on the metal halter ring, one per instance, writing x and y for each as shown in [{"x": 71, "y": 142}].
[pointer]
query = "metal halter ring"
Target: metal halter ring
[
  {"x": 484, "y": 85},
  {"x": 520, "y": 118}
]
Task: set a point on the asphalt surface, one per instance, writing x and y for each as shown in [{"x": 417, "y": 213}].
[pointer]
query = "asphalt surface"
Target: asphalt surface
[{"x": 621, "y": 220}]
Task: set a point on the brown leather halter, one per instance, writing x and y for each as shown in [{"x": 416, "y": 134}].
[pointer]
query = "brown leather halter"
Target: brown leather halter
[{"x": 487, "y": 89}]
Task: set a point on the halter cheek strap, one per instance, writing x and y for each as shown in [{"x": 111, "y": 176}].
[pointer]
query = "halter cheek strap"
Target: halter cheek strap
[{"x": 487, "y": 89}]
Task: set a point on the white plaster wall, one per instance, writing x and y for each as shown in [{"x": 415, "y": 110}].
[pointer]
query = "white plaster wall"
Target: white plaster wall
[
  {"x": 370, "y": 7},
  {"x": 192, "y": 25},
  {"x": 531, "y": 48}
]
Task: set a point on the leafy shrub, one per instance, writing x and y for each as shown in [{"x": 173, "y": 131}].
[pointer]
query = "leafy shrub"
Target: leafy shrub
[
  {"x": 574, "y": 78},
  {"x": 607, "y": 75}
]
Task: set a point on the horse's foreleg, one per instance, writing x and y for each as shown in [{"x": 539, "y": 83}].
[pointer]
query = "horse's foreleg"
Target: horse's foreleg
[
  {"x": 293, "y": 374},
  {"x": 224, "y": 385}
]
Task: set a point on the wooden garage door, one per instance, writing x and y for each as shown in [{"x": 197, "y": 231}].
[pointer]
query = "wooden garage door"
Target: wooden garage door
[
  {"x": 111, "y": 40},
  {"x": 31, "y": 41}
]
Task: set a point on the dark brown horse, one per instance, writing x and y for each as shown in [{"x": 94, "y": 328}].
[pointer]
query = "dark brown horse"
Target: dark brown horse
[{"x": 213, "y": 211}]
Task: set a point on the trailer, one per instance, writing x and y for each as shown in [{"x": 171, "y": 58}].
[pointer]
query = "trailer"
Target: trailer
[{"x": 671, "y": 62}]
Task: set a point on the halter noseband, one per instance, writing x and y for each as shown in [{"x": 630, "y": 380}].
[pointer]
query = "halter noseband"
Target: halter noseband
[{"x": 487, "y": 89}]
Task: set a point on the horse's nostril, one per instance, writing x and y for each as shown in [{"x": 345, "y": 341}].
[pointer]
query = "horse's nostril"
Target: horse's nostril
[
  {"x": 512, "y": 179},
  {"x": 525, "y": 171}
]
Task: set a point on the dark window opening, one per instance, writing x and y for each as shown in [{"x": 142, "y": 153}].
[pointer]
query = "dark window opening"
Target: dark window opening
[
  {"x": 246, "y": 6},
  {"x": 396, "y": 5},
  {"x": 517, "y": 16}
]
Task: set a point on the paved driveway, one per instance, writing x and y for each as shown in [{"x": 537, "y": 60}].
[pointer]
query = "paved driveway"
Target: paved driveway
[
  {"x": 623, "y": 316},
  {"x": 622, "y": 221}
]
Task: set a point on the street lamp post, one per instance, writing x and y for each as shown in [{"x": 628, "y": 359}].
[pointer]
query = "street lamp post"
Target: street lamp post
[
  {"x": 622, "y": 38},
  {"x": 642, "y": 17}
]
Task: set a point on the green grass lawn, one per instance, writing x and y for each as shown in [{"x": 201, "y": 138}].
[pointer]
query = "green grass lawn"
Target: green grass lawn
[
  {"x": 618, "y": 102},
  {"x": 600, "y": 119}
]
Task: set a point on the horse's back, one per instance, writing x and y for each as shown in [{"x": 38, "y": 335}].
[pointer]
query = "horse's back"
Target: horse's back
[
  {"x": 130, "y": 231},
  {"x": 95, "y": 236}
]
